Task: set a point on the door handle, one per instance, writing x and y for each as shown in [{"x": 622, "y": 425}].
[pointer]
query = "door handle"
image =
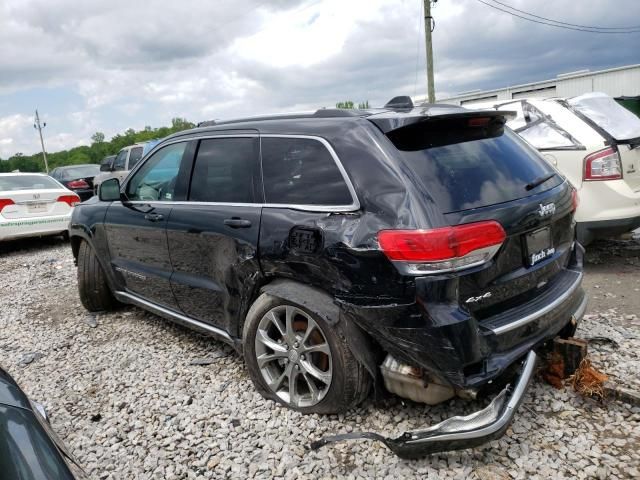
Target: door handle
[
  {"x": 237, "y": 222},
  {"x": 154, "y": 217}
]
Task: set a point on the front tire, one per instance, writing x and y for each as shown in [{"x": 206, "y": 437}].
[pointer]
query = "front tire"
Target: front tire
[
  {"x": 94, "y": 291},
  {"x": 297, "y": 359}
]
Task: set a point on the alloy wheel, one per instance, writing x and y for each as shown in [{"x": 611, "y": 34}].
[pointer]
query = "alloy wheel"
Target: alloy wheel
[{"x": 293, "y": 356}]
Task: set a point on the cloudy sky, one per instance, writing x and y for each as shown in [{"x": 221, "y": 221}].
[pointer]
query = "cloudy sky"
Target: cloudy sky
[{"x": 91, "y": 65}]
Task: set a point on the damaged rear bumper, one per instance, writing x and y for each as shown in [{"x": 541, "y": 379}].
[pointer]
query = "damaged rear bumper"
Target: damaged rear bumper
[{"x": 455, "y": 433}]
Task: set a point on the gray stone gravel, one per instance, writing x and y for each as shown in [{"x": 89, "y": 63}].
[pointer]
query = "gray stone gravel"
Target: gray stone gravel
[{"x": 135, "y": 397}]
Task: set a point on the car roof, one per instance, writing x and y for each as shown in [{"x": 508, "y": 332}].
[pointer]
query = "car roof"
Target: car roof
[
  {"x": 11, "y": 174},
  {"x": 65, "y": 167},
  {"x": 304, "y": 121},
  {"x": 134, "y": 145}
]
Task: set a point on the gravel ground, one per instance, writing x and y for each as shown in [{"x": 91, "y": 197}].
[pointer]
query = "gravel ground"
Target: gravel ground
[{"x": 123, "y": 394}]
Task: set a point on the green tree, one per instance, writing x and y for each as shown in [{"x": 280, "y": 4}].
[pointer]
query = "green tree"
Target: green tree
[
  {"x": 97, "y": 137},
  {"x": 99, "y": 148},
  {"x": 178, "y": 124},
  {"x": 349, "y": 105}
]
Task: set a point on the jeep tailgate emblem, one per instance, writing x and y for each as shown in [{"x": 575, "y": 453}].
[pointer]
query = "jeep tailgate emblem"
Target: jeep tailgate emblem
[{"x": 548, "y": 209}]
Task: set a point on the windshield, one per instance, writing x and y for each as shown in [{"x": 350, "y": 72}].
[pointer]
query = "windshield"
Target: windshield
[
  {"x": 479, "y": 173},
  {"x": 605, "y": 112},
  {"x": 81, "y": 171},
  {"x": 27, "y": 182}
]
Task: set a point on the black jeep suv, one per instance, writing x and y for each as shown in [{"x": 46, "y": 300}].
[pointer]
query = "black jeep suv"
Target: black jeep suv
[{"x": 419, "y": 250}]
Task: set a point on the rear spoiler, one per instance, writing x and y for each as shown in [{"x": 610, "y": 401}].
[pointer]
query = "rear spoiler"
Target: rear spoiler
[
  {"x": 439, "y": 125},
  {"x": 393, "y": 120}
]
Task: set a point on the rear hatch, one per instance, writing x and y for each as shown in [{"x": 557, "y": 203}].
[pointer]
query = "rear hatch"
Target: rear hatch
[
  {"x": 475, "y": 170},
  {"x": 28, "y": 196},
  {"x": 618, "y": 126}
]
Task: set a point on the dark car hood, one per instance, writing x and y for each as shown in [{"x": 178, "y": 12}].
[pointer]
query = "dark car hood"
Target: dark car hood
[{"x": 10, "y": 393}]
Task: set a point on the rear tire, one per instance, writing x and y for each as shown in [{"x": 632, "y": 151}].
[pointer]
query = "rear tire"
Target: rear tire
[
  {"x": 328, "y": 378},
  {"x": 94, "y": 291}
]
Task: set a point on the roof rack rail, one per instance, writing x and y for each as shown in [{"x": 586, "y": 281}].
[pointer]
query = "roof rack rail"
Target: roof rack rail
[
  {"x": 207, "y": 123},
  {"x": 336, "y": 112}
]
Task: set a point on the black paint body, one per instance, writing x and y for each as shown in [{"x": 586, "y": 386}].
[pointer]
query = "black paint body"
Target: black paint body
[{"x": 195, "y": 265}]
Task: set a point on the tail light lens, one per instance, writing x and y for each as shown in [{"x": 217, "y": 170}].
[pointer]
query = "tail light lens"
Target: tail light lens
[
  {"x": 5, "y": 202},
  {"x": 603, "y": 165},
  {"x": 77, "y": 184},
  {"x": 575, "y": 200},
  {"x": 443, "y": 249},
  {"x": 71, "y": 200}
]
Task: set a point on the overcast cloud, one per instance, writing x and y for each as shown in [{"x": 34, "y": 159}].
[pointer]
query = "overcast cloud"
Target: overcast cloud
[{"x": 107, "y": 66}]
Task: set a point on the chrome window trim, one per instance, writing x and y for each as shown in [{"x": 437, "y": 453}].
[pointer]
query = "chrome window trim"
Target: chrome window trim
[{"x": 352, "y": 207}]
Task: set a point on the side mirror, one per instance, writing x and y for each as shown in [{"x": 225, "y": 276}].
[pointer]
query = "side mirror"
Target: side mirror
[
  {"x": 106, "y": 167},
  {"x": 109, "y": 190}
]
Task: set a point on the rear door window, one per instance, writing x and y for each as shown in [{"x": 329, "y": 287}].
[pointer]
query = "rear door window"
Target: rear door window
[
  {"x": 301, "y": 171},
  {"x": 479, "y": 173},
  {"x": 224, "y": 170}
]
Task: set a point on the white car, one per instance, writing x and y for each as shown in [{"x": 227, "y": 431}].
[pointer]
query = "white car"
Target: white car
[
  {"x": 33, "y": 205},
  {"x": 595, "y": 143}
]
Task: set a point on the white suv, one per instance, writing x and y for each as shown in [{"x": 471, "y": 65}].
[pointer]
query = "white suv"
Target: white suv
[{"x": 595, "y": 143}]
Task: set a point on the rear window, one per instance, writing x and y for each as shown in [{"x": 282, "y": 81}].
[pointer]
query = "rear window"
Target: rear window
[
  {"x": 605, "y": 112},
  {"x": 81, "y": 172},
  {"x": 27, "y": 182},
  {"x": 478, "y": 173}
]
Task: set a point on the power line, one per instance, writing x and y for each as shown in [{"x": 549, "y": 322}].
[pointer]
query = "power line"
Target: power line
[
  {"x": 554, "y": 24},
  {"x": 634, "y": 27}
]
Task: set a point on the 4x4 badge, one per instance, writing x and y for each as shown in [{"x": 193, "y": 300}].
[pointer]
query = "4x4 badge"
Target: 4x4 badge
[
  {"x": 548, "y": 209},
  {"x": 478, "y": 298}
]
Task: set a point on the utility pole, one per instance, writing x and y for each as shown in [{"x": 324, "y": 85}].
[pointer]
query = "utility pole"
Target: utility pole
[
  {"x": 39, "y": 127},
  {"x": 428, "y": 29}
]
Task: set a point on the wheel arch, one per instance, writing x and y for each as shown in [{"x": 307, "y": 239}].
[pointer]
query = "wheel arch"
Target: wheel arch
[
  {"x": 322, "y": 303},
  {"x": 81, "y": 234}
]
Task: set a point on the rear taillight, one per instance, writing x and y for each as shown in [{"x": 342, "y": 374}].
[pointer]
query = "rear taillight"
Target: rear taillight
[
  {"x": 4, "y": 202},
  {"x": 71, "y": 200},
  {"x": 77, "y": 184},
  {"x": 575, "y": 200},
  {"x": 602, "y": 165},
  {"x": 442, "y": 249}
]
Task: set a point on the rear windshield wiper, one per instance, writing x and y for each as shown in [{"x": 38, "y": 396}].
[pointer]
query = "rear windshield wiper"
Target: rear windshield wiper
[{"x": 539, "y": 181}]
